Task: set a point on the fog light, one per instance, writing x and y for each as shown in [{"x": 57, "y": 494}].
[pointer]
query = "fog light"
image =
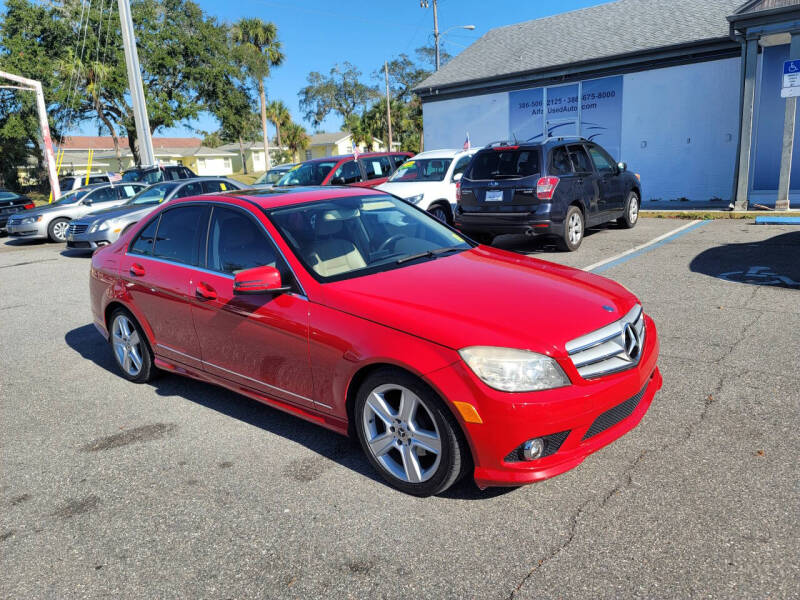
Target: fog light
[{"x": 532, "y": 449}]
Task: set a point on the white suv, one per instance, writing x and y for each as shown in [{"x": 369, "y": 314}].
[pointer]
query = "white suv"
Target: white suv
[{"x": 429, "y": 180}]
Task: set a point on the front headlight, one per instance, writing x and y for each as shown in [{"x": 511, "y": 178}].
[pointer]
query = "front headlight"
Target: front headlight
[
  {"x": 512, "y": 370},
  {"x": 98, "y": 226},
  {"x": 27, "y": 220},
  {"x": 415, "y": 199}
]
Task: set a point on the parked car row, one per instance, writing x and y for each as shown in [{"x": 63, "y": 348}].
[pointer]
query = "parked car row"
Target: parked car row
[{"x": 12, "y": 203}]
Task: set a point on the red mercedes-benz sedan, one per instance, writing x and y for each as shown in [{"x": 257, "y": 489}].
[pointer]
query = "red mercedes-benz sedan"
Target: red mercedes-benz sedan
[{"x": 361, "y": 313}]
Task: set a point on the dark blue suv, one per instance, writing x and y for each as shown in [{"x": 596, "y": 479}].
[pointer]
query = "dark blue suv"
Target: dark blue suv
[{"x": 557, "y": 188}]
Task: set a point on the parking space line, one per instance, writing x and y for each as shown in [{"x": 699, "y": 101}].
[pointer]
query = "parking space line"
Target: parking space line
[{"x": 608, "y": 263}]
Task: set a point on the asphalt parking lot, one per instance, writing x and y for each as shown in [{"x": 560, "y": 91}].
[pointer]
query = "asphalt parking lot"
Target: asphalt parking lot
[{"x": 182, "y": 489}]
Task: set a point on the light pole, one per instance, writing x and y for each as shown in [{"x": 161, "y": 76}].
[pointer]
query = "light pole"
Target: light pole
[{"x": 436, "y": 34}]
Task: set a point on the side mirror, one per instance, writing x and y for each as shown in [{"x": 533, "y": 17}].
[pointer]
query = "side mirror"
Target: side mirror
[
  {"x": 457, "y": 177},
  {"x": 87, "y": 202},
  {"x": 259, "y": 280},
  {"x": 622, "y": 167}
]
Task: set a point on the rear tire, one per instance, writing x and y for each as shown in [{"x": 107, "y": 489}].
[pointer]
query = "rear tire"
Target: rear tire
[
  {"x": 408, "y": 434},
  {"x": 440, "y": 212},
  {"x": 573, "y": 230},
  {"x": 631, "y": 216},
  {"x": 57, "y": 230},
  {"x": 130, "y": 348}
]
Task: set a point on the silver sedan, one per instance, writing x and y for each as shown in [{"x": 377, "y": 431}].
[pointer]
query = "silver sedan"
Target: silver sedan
[
  {"x": 105, "y": 227},
  {"x": 52, "y": 220}
]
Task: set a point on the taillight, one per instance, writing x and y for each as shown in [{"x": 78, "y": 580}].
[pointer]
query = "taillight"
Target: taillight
[
  {"x": 29, "y": 206},
  {"x": 458, "y": 191},
  {"x": 546, "y": 187}
]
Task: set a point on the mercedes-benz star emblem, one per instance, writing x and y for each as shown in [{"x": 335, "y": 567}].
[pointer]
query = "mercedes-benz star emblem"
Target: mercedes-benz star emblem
[{"x": 631, "y": 342}]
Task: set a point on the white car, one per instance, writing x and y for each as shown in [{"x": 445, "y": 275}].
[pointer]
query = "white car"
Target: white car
[{"x": 429, "y": 180}]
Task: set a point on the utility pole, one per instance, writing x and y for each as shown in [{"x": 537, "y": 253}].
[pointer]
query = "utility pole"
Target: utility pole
[
  {"x": 425, "y": 4},
  {"x": 47, "y": 143},
  {"x": 388, "y": 108},
  {"x": 782, "y": 203},
  {"x": 146, "y": 154}
]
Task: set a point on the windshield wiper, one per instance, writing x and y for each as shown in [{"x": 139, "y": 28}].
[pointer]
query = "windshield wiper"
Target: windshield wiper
[{"x": 428, "y": 254}]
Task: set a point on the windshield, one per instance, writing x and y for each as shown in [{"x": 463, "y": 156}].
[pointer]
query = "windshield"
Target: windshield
[
  {"x": 424, "y": 169},
  {"x": 71, "y": 197},
  {"x": 347, "y": 237},
  {"x": 310, "y": 173},
  {"x": 271, "y": 176},
  {"x": 145, "y": 176},
  {"x": 8, "y": 195},
  {"x": 153, "y": 195},
  {"x": 504, "y": 164}
]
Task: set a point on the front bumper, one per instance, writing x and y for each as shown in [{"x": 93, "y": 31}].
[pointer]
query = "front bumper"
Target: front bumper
[
  {"x": 621, "y": 399},
  {"x": 91, "y": 241},
  {"x": 497, "y": 223},
  {"x": 27, "y": 230}
]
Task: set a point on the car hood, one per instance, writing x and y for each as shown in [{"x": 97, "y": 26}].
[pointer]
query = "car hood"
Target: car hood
[
  {"x": 118, "y": 211},
  {"x": 408, "y": 189},
  {"x": 485, "y": 297}
]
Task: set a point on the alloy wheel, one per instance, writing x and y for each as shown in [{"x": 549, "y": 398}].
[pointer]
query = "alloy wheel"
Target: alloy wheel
[
  {"x": 127, "y": 345},
  {"x": 60, "y": 230},
  {"x": 575, "y": 228},
  {"x": 633, "y": 209},
  {"x": 401, "y": 433},
  {"x": 439, "y": 213}
]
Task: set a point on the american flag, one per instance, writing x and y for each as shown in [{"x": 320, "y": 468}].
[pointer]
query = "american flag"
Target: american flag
[
  {"x": 114, "y": 177},
  {"x": 466, "y": 142},
  {"x": 355, "y": 150}
]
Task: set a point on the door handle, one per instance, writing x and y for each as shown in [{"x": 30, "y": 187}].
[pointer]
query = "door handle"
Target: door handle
[
  {"x": 137, "y": 270},
  {"x": 205, "y": 291}
]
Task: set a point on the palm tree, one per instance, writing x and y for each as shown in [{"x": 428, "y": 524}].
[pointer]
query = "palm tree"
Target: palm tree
[
  {"x": 278, "y": 113},
  {"x": 261, "y": 50},
  {"x": 296, "y": 139}
]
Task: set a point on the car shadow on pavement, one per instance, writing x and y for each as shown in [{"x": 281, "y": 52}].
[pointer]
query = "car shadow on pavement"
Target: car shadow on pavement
[
  {"x": 537, "y": 244},
  {"x": 86, "y": 341},
  {"x": 76, "y": 253},
  {"x": 772, "y": 262}
]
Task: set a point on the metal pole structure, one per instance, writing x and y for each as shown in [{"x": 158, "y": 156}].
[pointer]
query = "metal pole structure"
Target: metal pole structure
[
  {"x": 436, "y": 31},
  {"x": 388, "y": 108},
  {"x": 47, "y": 142},
  {"x": 782, "y": 203},
  {"x": 145, "y": 141}
]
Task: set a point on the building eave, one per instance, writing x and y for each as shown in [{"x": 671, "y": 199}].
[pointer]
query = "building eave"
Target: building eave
[{"x": 702, "y": 51}]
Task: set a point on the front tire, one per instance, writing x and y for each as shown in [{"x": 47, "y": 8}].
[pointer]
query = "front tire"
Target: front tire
[
  {"x": 631, "y": 216},
  {"x": 57, "y": 230},
  {"x": 440, "y": 212},
  {"x": 130, "y": 348},
  {"x": 408, "y": 434},
  {"x": 573, "y": 230}
]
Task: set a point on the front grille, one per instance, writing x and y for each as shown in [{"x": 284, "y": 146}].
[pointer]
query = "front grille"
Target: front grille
[
  {"x": 552, "y": 443},
  {"x": 612, "y": 348},
  {"x": 615, "y": 415},
  {"x": 75, "y": 228}
]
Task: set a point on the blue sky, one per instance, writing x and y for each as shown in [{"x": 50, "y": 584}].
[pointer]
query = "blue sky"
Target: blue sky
[{"x": 317, "y": 34}]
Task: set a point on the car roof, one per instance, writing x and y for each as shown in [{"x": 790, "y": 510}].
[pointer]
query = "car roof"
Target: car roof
[
  {"x": 445, "y": 153},
  {"x": 339, "y": 157},
  {"x": 546, "y": 142},
  {"x": 276, "y": 197}
]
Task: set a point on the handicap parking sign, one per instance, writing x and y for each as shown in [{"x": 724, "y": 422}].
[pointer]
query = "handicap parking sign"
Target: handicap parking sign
[{"x": 791, "y": 79}]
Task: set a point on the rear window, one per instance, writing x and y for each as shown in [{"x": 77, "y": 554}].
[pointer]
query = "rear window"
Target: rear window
[{"x": 504, "y": 164}]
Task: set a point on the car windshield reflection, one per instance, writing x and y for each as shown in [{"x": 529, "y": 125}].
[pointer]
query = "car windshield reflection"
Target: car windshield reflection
[{"x": 347, "y": 237}]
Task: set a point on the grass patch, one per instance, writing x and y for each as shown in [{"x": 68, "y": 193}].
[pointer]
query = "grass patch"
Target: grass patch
[
  {"x": 248, "y": 179},
  {"x": 705, "y": 215}
]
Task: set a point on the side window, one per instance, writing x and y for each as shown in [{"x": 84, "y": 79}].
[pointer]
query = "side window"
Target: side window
[
  {"x": 461, "y": 165},
  {"x": 190, "y": 189},
  {"x": 105, "y": 194},
  {"x": 377, "y": 166},
  {"x": 213, "y": 186},
  {"x": 171, "y": 173},
  {"x": 348, "y": 172},
  {"x": 127, "y": 191},
  {"x": 601, "y": 160},
  {"x": 236, "y": 243},
  {"x": 559, "y": 161},
  {"x": 186, "y": 173},
  {"x": 143, "y": 243},
  {"x": 98, "y": 179},
  {"x": 399, "y": 159},
  {"x": 179, "y": 233},
  {"x": 579, "y": 159}
]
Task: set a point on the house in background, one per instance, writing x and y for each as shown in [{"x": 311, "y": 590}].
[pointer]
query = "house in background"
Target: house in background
[
  {"x": 208, "y": 161},
  {"x": 339, "y": 142},
  {"x": 253, "y": 156}
]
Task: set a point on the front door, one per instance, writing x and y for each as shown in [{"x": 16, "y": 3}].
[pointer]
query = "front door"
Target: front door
[
  {"x": 587, "y": 182},
  {"x": 257, "y": 341},
  {"x": 158, "y": 269},
  {"x": 611, "y": 192}
]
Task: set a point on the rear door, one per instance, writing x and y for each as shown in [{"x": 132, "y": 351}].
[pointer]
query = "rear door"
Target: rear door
[
  {"x": 609, "y": 182},
  {"x": 586, "y": 182},
  {"x": 257, "y": 341},
  {"x": 159, "y": 273},
  {"x": 348, "y": 173},
  {"x": 377, "y": 169}
]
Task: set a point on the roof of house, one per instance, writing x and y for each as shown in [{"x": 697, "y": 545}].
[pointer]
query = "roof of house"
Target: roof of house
[
  {"x": 257, "y": 146},
  {"x": 754, "y": 6},
  {"x": 88, "y": 142},
  {"x": 329, "y": 138},
  {"x": 624, "y": 27}
]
